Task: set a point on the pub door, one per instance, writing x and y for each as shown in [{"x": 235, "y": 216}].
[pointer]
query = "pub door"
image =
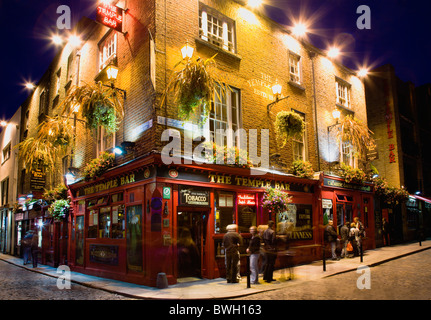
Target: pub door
[
  {"x": 344, "y": 210},
  {"x": 192, "y": 231}
]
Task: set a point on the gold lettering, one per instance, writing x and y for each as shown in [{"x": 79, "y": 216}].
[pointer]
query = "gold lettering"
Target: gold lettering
[
  {"x": 228, "y": 180},
  {"x": 212, "y": 177},
  {"x": 220, "y": 179}
]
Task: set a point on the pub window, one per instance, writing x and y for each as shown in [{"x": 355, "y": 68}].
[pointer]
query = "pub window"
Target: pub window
[
  {"x": 224, "y": 211},
  {"x": 342, "y": 90},
  {"x": 105, "y": 140},
  {"x": 118, "y": 222},
  {"x": 104, "y": 222},
  {"x": 92, "y": 223},
  {"x": 347, "y": 154},
  {"x": 107, "y": 50},
  {"x": 294, "y": 68},
  {"x": 224, "y": 117},
  {"x": 216, "y": 28},
  {"x": 57, "y": 82},
  {"x": 43, "y": 103},
  {"x": 6, "y": 152},
  {"x": 4, "y": 191},
  {"x": 69, "y": 68},
  {"x": 299, "y": 143}
]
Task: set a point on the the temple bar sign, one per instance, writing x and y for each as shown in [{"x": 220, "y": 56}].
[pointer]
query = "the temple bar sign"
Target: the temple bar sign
[{"x": 110, "y": 16}]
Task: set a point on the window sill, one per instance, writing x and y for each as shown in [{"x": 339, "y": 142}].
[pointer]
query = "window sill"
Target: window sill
[
  {"x": 296, "y": 85},
  {"x": 345, "y": 108},
  {"x": 219, "y": 50}
]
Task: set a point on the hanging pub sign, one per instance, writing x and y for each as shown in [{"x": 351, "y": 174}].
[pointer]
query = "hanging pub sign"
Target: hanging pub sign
[
  {"x": 194, "y": 196},
  {"x": 37, "y": 179},
  {"x": 110, "y": 16}
]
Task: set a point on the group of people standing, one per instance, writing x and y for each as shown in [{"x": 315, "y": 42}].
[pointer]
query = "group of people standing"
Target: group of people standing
[
  {"x": 351, "y": 234},
  {"x": 30, "y": 243},
  {"x": 232, "y": 240}
]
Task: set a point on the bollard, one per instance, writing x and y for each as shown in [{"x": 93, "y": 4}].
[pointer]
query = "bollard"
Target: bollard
[
  {"x": 248, "y": 271},
  {"x": 162, "y": 280},
  {"x": 362, "y": 253}
]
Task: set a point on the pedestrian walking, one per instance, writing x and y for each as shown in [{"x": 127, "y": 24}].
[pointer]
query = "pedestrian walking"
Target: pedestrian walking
[
  {"x": 355, "y": 238},
  {"x": 331, "y": 237},
  {"x": 270, "y": 242},
  {"x": 261, "y": 229},
  {"x": 254, "y": 251},
  {"x": 231, "y": 241},
  {"x": 35, "y": 249},
  {"x": 385, "y": 231},
  {"x": 359, "y": 226},
  {"x": 26, "y": 246},
  {"x": 344, "y": 233}
]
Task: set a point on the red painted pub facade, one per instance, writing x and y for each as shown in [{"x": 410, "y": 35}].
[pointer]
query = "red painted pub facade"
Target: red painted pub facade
[{"x": 145, "y": 217}]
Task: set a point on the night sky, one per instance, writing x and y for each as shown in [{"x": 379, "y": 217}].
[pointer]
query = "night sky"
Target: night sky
[{"x": 400, "y": 34}]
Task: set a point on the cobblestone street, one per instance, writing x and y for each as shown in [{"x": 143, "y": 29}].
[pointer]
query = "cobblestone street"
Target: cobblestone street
[
  {"x": 20, "y": 284},
  {"x": 407, "y": 278}
]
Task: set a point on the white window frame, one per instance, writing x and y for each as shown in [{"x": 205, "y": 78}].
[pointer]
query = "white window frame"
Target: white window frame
[
  {"x": 7, "y": 151},
  {"x": 107, "y": 50},
  {"x": 223, "y": 112},
  {"x": 102, "y": 140},
  {"x": 347, "y": 154},
  {"x": 342, "y": 91},
  {"x": 217, "y": 29},
  {"x": 296, "y": 143},
  {"x": 295, "y": 68}
]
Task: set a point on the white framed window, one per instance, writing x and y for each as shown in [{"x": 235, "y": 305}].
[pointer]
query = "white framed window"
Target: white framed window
[
  {"x": 6, "y": 153},
  {"x": 57, "y": 82},
  {"x": 295, "y": 68},
  {"x": 224, "y": 117},
  {"x": 107, "y": 50},
  {"x": 347, "y": 154},
  {"x": 342, "y": 90},
  {"x": 216, "y": 28},
  {"x": 299, "y": 144},
  {"x": 105, "y": 140}
]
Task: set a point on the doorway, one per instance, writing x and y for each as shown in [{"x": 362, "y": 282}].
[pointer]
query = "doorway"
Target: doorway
[
  {"x": 192, "y": 230},
  {"x": 344, "y": 210}
]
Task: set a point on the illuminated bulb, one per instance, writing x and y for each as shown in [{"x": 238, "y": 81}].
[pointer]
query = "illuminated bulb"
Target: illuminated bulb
[
  {"x": 187, "y": 51},
  {"x": 336, "y": 114},
  {"x": 333, "y": 52},
  {"x": 3, "y": 123},
  {"x": 363, "y": 72},
  {"x": 254, "y": 3},
  {"x": 276, "y": 89},
  {"x": 56, "y": 39},
  {"x": 29, "y": 85},
  {"x": 299, "y": 29},
  {"x": 74, "y": 41},
  {"x": 112, "y": 72}
]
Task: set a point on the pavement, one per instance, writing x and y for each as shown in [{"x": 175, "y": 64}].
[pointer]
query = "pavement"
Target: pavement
[{"x": 198, "y": 289}]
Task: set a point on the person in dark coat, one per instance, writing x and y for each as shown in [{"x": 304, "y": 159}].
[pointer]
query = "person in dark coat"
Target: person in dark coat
[
  {"x": 344, "y": 233},
  {"x": 385, "y": 231},
  {"x": 254, "y": 251},
  {"x": 231, "y": 241},
  {"x": 331, "y": 237},
  {"x": 270, "y": 241},
  {"x": 34, "y": 249},
  {"x": 26, "y": 246}
]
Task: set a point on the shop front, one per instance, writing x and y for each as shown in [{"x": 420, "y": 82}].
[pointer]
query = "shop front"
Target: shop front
[
  {"x": 342, "y": 202},
  {"x": 147, "y": 218}
]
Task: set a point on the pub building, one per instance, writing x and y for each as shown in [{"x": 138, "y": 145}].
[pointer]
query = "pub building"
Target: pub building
[{"x": 146, "y": 218}]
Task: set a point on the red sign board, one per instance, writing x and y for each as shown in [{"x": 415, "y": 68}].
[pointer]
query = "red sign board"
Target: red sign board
[
  {"x": 246, "y": 199},
  {"x": 110, "y": 16}
]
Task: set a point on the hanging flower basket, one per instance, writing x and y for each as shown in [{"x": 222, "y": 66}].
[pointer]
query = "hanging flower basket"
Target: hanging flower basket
[
  {"x": 390, "y": 195},
  {"x": 57, "y": 193},
  {"x": 302, "y": 169},
  {"x": 59, "y": 209},
  {"x": 275, "y": 200},
  {"x": 98, "y": 166},
  {"x": 194, "y": 87},
  {"x": 289, "y": 124},
  {"x": 230, "y": 156}
]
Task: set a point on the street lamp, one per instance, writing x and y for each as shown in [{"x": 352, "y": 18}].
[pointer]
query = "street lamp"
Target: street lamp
[
  {"x": 112, "y": 74},
  {"x": 336, "y": 115},
  {"x": 299, "y": 30},
  {"x": 363, "y": 72},
  {"x": 276, "y": 90},
  {"x": 187, "y": 51},
  {"x": 333, "y": 52},
  {"x": 29, "y": 85}
]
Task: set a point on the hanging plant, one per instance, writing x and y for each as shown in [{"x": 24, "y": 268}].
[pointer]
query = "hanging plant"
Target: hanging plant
[
  {"x": 389, "y": 194},
  {"x": 96, "y": 167},
  {"x": 194, "y": 87},
  {"x": 289, "y": 124},
  {"x": 350, "y": 174},
  {"x": 59, "y": 208},
  {"x": 275, "y": 200},
  {"x": 100, "y": 105},
  {"x": 357, "y": 133},
  {"x": 302, "y": 169}
]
